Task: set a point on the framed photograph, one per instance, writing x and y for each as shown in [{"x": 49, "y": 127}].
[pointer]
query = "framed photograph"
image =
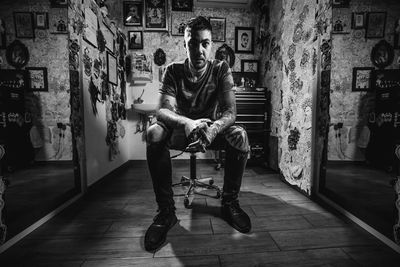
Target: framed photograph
[
  {"x": 182, "y": 5},
  {"x": 135, "y": 40},
  {"x": 156, "y": 13},
  {"x": 340, "y": 3},
  {"x": 58, "y": 3},
  {"x": 245, "y": 80},
  {"x": 178, "y": 21},
  {"x": 244, "y": 40},
  {"x": 218, "y": 29},
  {"x": 133, "y": 13},
  {"x": 362, "y": 79},
  {"x": 41, "y": 20},
  {"x": 358, "y": 20},
  {"x": 341, "y": 21},
  {"x": 249, "y": 65},
  {"x": 112, "y": 71},
  {"x": 376, "y": 22},
  {"x": 142, "y": 67},
  {"x": 396, "y": 38},
  {"x": 58, "y": 21},
  {"x": 23, "y": 22},
  {"x": 3, "y": 44},
  {"x": 37, "y": 79}
]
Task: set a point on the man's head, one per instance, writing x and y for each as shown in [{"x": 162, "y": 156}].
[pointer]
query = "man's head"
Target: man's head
[
  {"x": 245, "y": 40},
  {"x": 198, "y": 41}
]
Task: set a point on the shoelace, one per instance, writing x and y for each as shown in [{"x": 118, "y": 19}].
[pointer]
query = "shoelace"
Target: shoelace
[{"x": 234, "y": 207}]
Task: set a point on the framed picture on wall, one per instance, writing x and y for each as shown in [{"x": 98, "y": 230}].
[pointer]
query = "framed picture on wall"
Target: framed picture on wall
[
  {"x": 112, "y": 71},
  {"x": 2, "y": 34},
  {"x": 133, "y": 13},
  {"x": 37, "y": 79},
  {"x": 244, "y": 40},
  {"x": 362, "y": 79},
  {"x": 135, "y": 40},
  {"x": 23, "y": 22},
  {"x": 182, "y": 5},
  {"x": 156, "y": 14},
  {"x": 376, "y": 22},
  {"x": 341, "y": 20},
  {"x": 358, "y": 20},
  {"x": 248, "y": 65},
  {"x": 218, "y": 29},
  {"x": 396, "y": 38},
  {"x": 178, "y": 21},
  {"x": 41, "y": 20}
]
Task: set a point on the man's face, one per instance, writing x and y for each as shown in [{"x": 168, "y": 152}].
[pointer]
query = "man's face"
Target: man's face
[
  {"x": 198, "y": 47},
  {"x": 245, "y": 40}
]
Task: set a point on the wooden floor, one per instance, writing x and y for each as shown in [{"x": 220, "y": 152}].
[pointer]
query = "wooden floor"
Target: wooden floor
[{"x": 107, "y": 228}]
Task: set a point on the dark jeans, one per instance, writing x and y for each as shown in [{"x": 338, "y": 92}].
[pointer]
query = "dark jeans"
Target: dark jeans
[{"x": 160, "y": 140}]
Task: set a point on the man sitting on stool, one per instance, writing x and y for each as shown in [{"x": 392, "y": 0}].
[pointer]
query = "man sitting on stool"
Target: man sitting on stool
[{"x": 190, "y": 93}]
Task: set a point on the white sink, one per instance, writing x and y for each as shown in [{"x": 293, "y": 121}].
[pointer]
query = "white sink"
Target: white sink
[{"x": 145, "y": 108}]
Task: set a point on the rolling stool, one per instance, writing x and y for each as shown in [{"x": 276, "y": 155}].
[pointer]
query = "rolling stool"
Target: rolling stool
[{"x": 193, "y": 182}]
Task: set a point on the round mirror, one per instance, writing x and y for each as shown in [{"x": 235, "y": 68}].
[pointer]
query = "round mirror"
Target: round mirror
[{"x": 17, "y": 54}]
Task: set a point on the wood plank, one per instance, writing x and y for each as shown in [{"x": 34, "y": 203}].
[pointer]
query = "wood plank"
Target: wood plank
[
  {"x": 324, "y": 220},
  {"x": 374, "y": 256}
]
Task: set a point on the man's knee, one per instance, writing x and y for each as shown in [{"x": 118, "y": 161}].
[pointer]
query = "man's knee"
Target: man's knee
[
  {"x": 155, "y": 134},
  {"x": 237, "y": 137}
]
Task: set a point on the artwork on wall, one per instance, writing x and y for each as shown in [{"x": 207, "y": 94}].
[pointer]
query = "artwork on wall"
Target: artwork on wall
[
  {"x": 58, "y": 21},
  {"x": 362, "y": 78},
  {"x": 108, "y": 37},
  {"x": 244, "y": 40},
  {"x": 340, "y": 3},
  {"x": 135, "y": 40},
  {"x": 382, "y": 54},
  {"x": 156, "y": 13},
  {"x": 248, "y": 65},
  {"x": 396, "y": 38},
  {"x": 341, "y": 19},
  {"x": 90, "y": 32},
  {"x": 41, "y": 20},
  {"x": 133, "y": 13},
  {"x": 142, "y": 68},
  {"x": 37, "y": 79},
  {"x": 17, "y": 54},
  {"x": 182, "y": 5},
  {"x": 58, "y": 3},
  {"x": 2, "y": 34},
  {"x": 358, "y": 20},
  {"x": 23, "y": 22},
  {"x": 112, "y": 71},
  {"x": 218, "y": 29},
  {"x": 376, "y": 22},
  {"x": 178, "y": 21}
]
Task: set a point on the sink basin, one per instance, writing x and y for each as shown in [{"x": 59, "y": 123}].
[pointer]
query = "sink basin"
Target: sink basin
[{"x": 145, "y": 108}]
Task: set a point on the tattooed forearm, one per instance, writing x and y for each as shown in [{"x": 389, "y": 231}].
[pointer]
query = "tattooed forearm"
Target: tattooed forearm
[
  {"x": 167, "y": 104},
  {"x": 167, "y": 114}
]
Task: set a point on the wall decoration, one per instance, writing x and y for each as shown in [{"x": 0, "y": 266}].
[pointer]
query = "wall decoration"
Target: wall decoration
[
  {"x": 182, "y": 5},
  {"x": 358, "y": 20},
  {"x": 341, "y": 19},
  {"x": 362, "y": 79},
  {"x": 2, "y": 34},
  {"x": 218, "y": 29},
  {"x": 225, "y": 53},
  {"x": 135, "y": 40},
  {"x": 23, "y": 22},
  {"x": 142, "y": 68},
  {"x": 37, "y": 79},
  {"x": 112, "y": 71},
  {"x": 41, "y": 20},
  {"x": 58, "y": 3},
  {"x": 396, "y": 38},
  {"x": 382, "y": 54},
  {"x": 376, "y": 22},
  {"x": 178, "y": 21},
  {"x": 133, "y": 13},
  {"x": 244, "y": 40},
  {"x": 58, "y": 19},
  {"x": 249, "y": 65},
  {"x": 340, "y": 3},
  {"x": 159, "y": 57},
  {"x": 17, "y": 54},
  {"x": 108, "y": 36},
  {"x": 90, "y": 32},
  {"x": 156, "y": 13}
]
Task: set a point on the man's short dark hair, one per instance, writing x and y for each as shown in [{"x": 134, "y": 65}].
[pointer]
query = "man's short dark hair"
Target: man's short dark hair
[{"x": 198, "y": 24}]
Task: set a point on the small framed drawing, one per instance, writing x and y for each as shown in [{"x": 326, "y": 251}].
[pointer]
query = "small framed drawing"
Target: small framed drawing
[
  {"x": 178, "y": 21},
  {"x": 340, "y": 3},
  {"x": 156, "y": 13},
  {"x": 376, "y": 22},
  {"x": 112, "y": 71},
  {"x": 2, "y": 34},
  {"x": 249, "y": 65},
  {"x": 396, "y": 38},
  {"x": 23, "y": 22},
  {"x": 41, "y": 20},
  {"x": 135, "y": 39},
  {"x": 244, "y": 40},
  {"x": 341, "y": 20},
  {"x": 37, "y": 79},
  {"x": 182, "y": 5},
  {"x": 133, "y": 13},
  {"x": 362, "y": 79},
  {"x": 218, "y": 29},
  {"x": 358, "y": 20}
]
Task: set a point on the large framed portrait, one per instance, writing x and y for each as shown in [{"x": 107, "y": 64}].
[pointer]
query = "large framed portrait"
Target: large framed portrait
[
  {"x": 218, "y": 29},
  {"x": 133, "y": 13},
  {"x": 135, "y": 40},
  {"x": 362, "y": 78},
  {"x": 182, "y": 5},
  {"x": 23, "y": 22},
  {"x": 156, "y": 13},
  {"x": 376, "y": 22},
  {"x": 244, "y": 40},
  {"x": 37, "y": 79}
]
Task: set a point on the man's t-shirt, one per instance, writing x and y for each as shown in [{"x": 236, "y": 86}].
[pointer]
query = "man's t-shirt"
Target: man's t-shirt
[{"x": 198, "y": 99}]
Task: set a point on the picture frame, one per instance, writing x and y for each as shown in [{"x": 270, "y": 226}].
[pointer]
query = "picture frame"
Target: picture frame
[
  {"x": 182, "y": 5},
  {"x": 135, "y": 40},
  {"x": 133, "y": 13},
  {"x": 112, "y": 69},
  {"x": 108, "y": 36},
  {"x": 218, "y": 29},
  {"x": 249, "y": 65},
  {"x": 376, "y": 23},
  {"x": 41, "y": 20},
  {"x": 244, "y": 40},
  {"x": 58, "y": 20},
  {"x": 382, "y": 54},
  {"x": 178, "y": 22},
  {"x": 58, "y": 3},
  {"x": 3, "y": 43},
  {"x": 23, "y": 22},
  {"x": 156, "y": 14},
  {"x": 340, "y": 3},
  {"x": 396, "y": 39},
  {"x": 358, "y": 20},
  {"x": 90, "y": 31},
  {"x": 142, "y": 67},
  {"x": 245, "y": 80},
  {"x": 362, "y": 79},
  {"x": 341, "y": 21},
  {"x": 37, "y": 79}
]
